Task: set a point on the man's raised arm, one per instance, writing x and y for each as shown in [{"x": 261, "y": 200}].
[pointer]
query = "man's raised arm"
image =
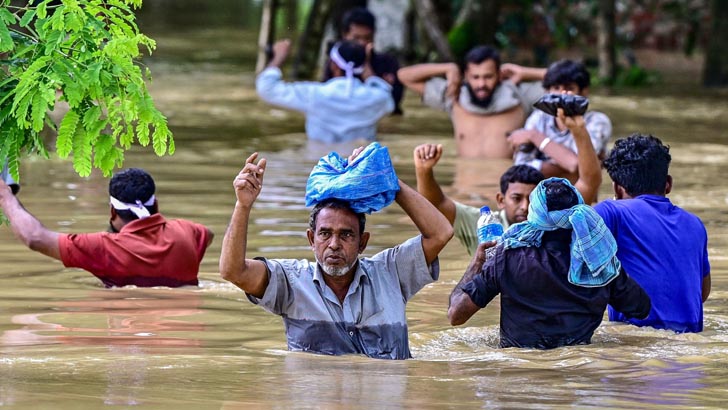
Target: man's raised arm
[
  {"x": 249, "y": 275},
  {"x": 26, "y": 227},
  {"x": 415, "y": 76},
  {"x": 590, "y": 172},
  {"x": 518, "y": 73},
  {"x": 435, "y": 229},
  {"x": 426, "y": 157}
]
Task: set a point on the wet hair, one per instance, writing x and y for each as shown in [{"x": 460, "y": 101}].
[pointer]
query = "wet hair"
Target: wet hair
[
  {"x": 479, "y": 54},
  {"x": 359, "y": 16},
  {"x": 565, "y": 72},
  {"x": 639, "y": 164},
  {"x": 130, "y": 185},
  {"x": 559, "y": 196},
  {"x": 335, "y": 204},
  {"x": 352, "y": 51},
  {"x": 524, "y": 174}
]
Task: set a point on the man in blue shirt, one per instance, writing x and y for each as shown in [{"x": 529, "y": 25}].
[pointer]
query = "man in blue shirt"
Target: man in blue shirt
[
  {"x": 345, "y": 108},
  {"x": 339, "y": 304},
  {"x": 663, "y": 247}
]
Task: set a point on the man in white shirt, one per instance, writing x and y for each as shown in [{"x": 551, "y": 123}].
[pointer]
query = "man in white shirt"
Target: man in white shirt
[{"x": 345, "y": 108}]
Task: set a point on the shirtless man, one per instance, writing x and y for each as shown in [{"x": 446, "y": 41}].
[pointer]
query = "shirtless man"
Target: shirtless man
[{"x": 488, "y": 103}]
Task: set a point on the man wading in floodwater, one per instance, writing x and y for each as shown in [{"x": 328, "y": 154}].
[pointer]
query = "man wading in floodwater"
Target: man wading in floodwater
[
  {"x": 142, "y": 247},
  {"x": 340, "y": 304},
  {"x": 555, "y": 273}
]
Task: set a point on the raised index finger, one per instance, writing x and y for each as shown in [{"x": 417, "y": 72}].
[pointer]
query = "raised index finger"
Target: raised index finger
[{"x": 251, "y": 158}]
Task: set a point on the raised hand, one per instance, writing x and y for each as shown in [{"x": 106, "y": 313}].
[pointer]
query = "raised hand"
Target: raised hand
[
  {"x": 571, "y": 123},
  {"x": 281, "y": 49},
  {"x": 354, "y": 154},
  {"x": 426, "y": 156},
  {"x": 249, "y": 180},
  {"x": 368, "y": 70},
  {"x": 512, "y": 72}
]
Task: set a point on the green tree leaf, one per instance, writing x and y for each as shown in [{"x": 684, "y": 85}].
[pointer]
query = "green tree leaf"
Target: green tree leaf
[
  {"x": 66, "y": 132},
  {"x": 6, "y": 42},
  {"x": 83, "y": 52},
  {"x": 27, "y": 17}
]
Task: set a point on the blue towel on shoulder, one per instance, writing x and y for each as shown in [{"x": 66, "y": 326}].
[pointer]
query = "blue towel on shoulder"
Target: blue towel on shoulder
[
  {"x": 369, "y": 183},
  {"x": 593, "y": 248}
]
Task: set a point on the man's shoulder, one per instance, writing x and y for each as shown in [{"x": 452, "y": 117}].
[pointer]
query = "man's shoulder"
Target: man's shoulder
[
  {"x": 297, "y": 271},
  {"x": 86, "y": 236},
  {"x": 185, "y": 222},
  {"x": 538, "y": 120},
  {"x": 610, "y": 206},
  {"x": 468, "y": 209},
  {"x": 597, "y": 118},
  {"x": 434, "y": 94},
  {"x": 298, "y": 266}
]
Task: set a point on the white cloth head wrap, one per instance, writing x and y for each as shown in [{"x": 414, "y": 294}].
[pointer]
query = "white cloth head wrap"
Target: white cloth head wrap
[
  {"x": 348, "y": 66},
  {"x": 137, "y": 208}
]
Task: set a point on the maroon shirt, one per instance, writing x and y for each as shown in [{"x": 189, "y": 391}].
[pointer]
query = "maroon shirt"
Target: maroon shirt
[{"x": 147, "y": 252}]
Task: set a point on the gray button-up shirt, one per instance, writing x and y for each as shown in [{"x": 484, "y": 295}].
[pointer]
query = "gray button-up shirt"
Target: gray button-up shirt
[{"x": 370, "y": 321}]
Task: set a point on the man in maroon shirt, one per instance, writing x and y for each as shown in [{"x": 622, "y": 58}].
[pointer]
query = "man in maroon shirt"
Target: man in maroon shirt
[{"x": 142, "y": 247}]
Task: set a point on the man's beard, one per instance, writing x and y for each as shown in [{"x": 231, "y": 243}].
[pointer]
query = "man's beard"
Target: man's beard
[
  {"x": 335, "y": 271},
  {"x": 480, "y": 102}
]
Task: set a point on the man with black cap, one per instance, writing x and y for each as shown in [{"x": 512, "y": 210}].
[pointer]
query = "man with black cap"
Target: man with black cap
[{"x": 142, "y": 247}]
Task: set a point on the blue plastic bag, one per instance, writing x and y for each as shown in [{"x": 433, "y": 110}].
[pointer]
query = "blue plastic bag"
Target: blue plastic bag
[{"x": 369, "y": 183}]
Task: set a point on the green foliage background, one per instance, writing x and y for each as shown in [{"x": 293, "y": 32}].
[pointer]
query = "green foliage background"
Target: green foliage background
[{"x": 84, "y": 52}]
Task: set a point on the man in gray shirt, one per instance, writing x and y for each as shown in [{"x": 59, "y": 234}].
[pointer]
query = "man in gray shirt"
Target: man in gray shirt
[{"x": 339, "y": 304}]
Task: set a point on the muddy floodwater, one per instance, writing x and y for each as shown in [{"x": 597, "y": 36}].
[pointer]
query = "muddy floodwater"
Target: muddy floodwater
[{"x": 68, "y": 343}]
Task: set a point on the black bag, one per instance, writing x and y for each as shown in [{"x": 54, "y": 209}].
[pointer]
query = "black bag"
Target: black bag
[{"x": 572, "y": 104}]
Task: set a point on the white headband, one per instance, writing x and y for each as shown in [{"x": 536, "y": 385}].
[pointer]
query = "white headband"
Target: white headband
[
  {"x": 347, "y": 66},
  {"x": 138, "y": 208}
]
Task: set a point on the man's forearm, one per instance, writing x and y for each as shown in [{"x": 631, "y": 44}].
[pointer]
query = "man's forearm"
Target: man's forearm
[
  {"x": 28, "y": 228},
  {"x": 234, "y": 266},
  {"x": 428, "y": 187},
  {"x": 415, "y": 76},
  {"x": 460, "y": 306},
  {"x": 435, "y": 229},
  {"x": 533, "y": 74},
  {"x": 476, "y": 264},
  {"x": 590, "y": 174}
]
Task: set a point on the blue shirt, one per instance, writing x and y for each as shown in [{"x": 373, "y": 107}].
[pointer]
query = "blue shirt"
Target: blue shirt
[
  {"x": 337, "y": 110},
  {"x": 665, "y": 249},
  {"x": 370, "y": 321}
]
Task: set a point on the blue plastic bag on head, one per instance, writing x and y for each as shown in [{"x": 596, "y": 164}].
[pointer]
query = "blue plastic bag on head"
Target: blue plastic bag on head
[{"x": 369, "y": 183}]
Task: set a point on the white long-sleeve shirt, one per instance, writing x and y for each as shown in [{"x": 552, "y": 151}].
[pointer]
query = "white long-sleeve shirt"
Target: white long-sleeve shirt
[{"x": 334, "y": 112}]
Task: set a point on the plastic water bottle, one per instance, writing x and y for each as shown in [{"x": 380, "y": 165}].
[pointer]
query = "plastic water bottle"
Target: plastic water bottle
[{"x": 489, "y": 229}]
